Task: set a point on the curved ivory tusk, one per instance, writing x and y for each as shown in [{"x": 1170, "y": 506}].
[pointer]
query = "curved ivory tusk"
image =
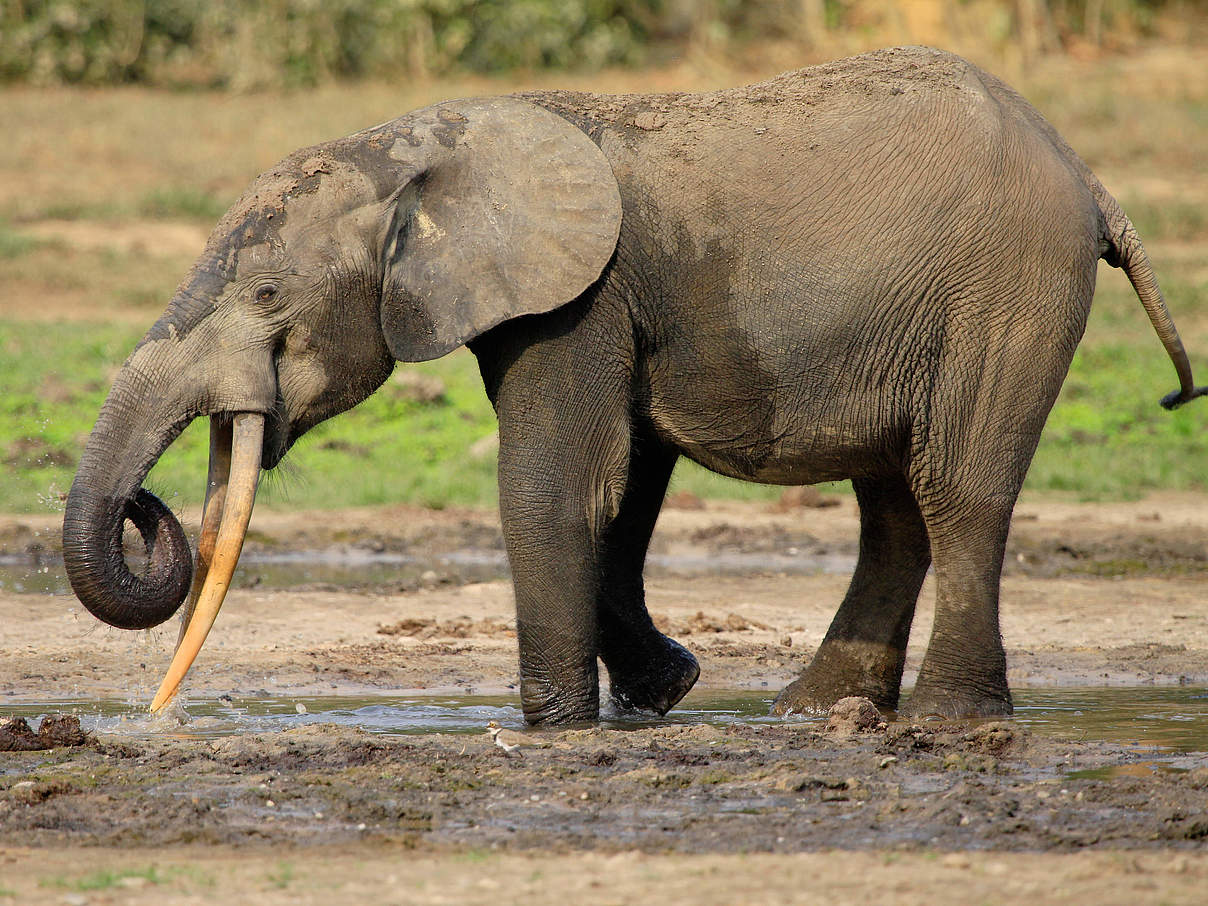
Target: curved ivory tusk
[
  {"x": 246, "y": 446},
  {"x": 211, "y": 515}
]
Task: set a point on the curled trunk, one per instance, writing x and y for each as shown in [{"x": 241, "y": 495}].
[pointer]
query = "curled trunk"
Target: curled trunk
[{"x": 107, "y": 492}]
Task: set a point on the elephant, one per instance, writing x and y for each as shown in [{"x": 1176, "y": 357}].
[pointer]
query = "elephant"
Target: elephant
[{"x": 874, "y": 269}]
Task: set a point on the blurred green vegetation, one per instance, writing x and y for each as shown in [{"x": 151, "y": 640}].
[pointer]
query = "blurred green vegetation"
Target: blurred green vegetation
[
  {"x": 185, "y": 203},
  {"x": 14, "y": 244},
  {"x": 408, "y": 442},
  {"x": 240, "y": 44},
  {"x": 1107, "y": 437},
  {"x": 245, "y": 44}
]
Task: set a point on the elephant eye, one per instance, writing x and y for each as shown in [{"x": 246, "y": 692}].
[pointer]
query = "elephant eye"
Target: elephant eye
[{"x": 265, "y": 292}]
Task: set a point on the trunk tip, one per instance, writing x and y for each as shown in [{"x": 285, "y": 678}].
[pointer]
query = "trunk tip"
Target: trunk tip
[{"x": 97, "y": 568}]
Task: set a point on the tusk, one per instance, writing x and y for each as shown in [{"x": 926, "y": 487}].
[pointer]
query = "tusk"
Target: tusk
[
  {"x": 211, "y": 516},
  {"x": 246, "y": 450}
]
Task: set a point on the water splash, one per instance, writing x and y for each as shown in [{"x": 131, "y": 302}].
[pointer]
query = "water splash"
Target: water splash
[{"x": 1168, "y": 719}]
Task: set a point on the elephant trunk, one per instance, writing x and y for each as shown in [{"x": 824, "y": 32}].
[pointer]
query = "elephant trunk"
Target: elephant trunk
[
  {"x": 104, "y": 495},
  {"x": 107, "y": 491}
]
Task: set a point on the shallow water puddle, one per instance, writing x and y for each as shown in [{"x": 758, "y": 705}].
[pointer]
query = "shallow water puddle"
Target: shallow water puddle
[
  {"x": 1172, "y": 718},
  {"x": 402, "y": 715},
  {"x": 44, "y": 574},
  {"x": 1168, "y": 718},
  {"x": 1132, "y": 769},
  {"x": 285, "y": 569}
]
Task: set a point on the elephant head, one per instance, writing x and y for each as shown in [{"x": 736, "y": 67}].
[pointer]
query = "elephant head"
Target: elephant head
[{"x": 401, "y": 242}]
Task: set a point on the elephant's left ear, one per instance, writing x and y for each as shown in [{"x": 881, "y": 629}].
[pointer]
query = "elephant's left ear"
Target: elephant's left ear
[{"x": 514, "y": 211}]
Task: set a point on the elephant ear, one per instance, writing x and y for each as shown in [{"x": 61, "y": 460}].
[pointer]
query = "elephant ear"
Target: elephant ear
[{"x": 514, "y": 211}]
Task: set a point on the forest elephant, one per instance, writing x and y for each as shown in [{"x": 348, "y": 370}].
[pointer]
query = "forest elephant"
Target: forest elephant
[{"x": 875, "y": 269}]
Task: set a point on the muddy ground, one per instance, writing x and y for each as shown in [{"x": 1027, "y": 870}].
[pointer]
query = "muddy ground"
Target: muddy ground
[{"x": 939, "y": 812}]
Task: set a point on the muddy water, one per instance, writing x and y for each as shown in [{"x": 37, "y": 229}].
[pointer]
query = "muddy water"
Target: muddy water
[
  {"x": 42, "y": 573},
  {"x": 1168, "y": 719}
]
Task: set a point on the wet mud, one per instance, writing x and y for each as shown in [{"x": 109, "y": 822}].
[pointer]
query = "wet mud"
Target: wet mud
[
  {"x": 54, "y": 731},
  {"x": 694, "y": 789},
  {"x": 936, "y": 813},
  {"x": 1097, "y": 597}
]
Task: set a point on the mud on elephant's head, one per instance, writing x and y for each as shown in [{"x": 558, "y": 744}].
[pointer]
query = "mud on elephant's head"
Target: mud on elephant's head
[{"x": 401, "y": 242}]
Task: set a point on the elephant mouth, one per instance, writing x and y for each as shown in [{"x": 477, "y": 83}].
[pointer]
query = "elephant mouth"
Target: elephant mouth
[
  {"x": 237, "y": 450},
  {"x": 279, "y": 432}
]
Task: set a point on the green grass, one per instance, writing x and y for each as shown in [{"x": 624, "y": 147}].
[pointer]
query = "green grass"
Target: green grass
[
  {"x": 394, "y": 448},
  {"x": 159, "y": 203},
  {"x": 391, "y": 448},
  {"x": 1170, "y": 219},
  {"x": 282, "y": 875},
  {"x": 106, "y": 879},
  {"x": 183, "y": 203},
  {"x": 13, "y": 243}
]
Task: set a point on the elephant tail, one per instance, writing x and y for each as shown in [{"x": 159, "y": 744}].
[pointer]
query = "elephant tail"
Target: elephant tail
[
  {"x": 1121, "y": 245},
  {"x": 1124, "y": 250}
]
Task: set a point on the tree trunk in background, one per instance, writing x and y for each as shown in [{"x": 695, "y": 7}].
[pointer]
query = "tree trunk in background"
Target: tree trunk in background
[
  {"x": 1093, "y": 22},
  {"x": 925, "y": 22},
  {"x": 1035, "y": 27},
  {"x": 813, "y": 22}
]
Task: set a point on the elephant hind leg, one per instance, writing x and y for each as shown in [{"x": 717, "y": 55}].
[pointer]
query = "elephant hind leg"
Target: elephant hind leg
[
  {"x": 966, "y": 472},
  {"x": 864, "y": 650},
  {"x": 966, "y": 493},
  {"x": 964, "y": 671},
  {"x": 647, "y": 671}
]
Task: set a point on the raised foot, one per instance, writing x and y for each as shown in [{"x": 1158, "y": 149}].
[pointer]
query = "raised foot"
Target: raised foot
[
  {"x": 655, "y": 683},
  {"x": 931, "y": 701}
]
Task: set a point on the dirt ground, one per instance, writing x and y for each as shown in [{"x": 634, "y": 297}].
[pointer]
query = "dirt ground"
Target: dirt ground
[{"x": 779, "y": 812}]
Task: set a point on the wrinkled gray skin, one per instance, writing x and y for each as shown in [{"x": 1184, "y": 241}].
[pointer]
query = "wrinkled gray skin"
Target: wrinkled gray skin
[{"x": 876, "y": 269}]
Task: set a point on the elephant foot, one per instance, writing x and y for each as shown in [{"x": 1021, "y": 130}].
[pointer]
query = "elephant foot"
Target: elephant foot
[
  {"x": 932, "y": 700},
  {"x": 655, "y": 683},
  {"x": 840, "y": 670},
  {"x": 806, "y": 696},
  {"x": 545, "y": 702}
]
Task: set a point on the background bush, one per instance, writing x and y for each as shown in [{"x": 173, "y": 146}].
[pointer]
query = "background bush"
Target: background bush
[{"x": 244, "y": 44}]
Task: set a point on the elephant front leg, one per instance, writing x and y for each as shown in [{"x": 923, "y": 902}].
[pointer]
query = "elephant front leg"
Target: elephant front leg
[
  {"x": 865, "y": 648},
  {"x": 563, "y": 463},
  {"x": 577, "y": 530},
  {"x": 647, "y": 671},
  {"x": 556, "y": 579},
  {"x": 580, "y": 486}
]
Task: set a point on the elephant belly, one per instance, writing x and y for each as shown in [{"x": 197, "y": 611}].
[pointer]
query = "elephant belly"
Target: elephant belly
[
  {"x": 834, "y": 463},
  {"x": 786, "y": 380},
  {"x": 777, "y": 437}
]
